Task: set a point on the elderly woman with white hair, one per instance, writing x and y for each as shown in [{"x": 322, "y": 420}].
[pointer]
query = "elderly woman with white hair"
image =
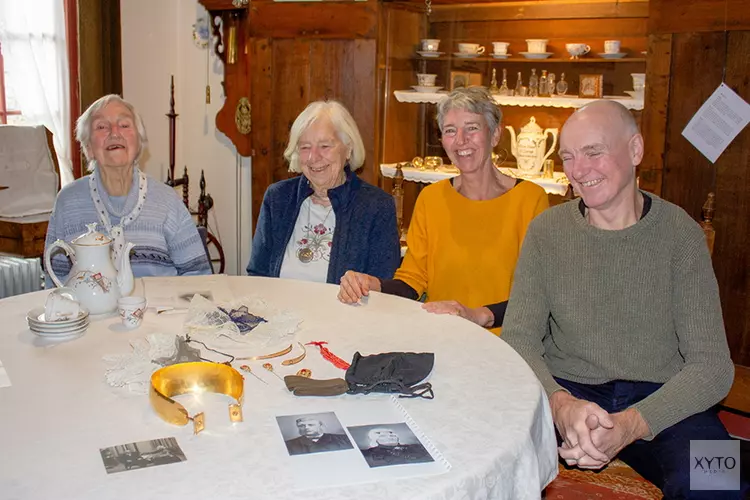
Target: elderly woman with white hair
[
  {"x": 466, "y": 232},
  {"x": 319, "y": 225},
  {"x": 126, "y": 203}
]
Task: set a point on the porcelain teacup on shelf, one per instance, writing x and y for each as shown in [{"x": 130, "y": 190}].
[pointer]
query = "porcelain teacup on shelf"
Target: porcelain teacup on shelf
[
  {"x": 612, "y": 47},
  {"x": 639, "y": 81},
  {"x": 576, "y": 50},
  {"x": 426, "y": 79},
  {"x": 537, "y": 45},
  {"x": 470, "y": 48},
  {"x": 430, "y": 44},
  {"x": 500, "y": 48}
]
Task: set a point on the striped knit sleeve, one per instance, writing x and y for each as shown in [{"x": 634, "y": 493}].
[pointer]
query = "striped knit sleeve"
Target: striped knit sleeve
[{"x": 183, "y": 241}]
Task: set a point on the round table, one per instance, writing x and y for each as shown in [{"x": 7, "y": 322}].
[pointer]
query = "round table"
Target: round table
[{"x": 490, "y": 418}]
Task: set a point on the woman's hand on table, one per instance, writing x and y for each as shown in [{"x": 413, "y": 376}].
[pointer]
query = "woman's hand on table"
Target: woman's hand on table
[
  {"x": 356, "y": 285},
  {"x": 482, "y": 316}
]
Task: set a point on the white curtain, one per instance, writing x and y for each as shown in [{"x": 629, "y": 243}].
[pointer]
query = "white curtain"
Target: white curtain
[{"x": 32, "y": 33}]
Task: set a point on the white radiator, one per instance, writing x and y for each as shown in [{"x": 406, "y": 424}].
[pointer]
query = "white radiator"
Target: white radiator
[{"x": 19, "y": 276}]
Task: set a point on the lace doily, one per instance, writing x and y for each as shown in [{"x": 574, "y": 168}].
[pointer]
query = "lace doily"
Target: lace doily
[
  {"x": 133, "y": 370},
  {"x": 212, "y": 325},
  {"x": 251, "y": 325}
]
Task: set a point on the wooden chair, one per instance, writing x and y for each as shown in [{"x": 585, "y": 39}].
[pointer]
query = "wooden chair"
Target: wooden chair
[
  {"x": 24, "y": 236},
  {"x": 212, "y": 245}
]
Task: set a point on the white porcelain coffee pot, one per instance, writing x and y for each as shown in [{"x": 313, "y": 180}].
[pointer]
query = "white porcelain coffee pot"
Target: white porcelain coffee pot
[
  {"x": 529, "y": 147},
  {"x": 96, "y": 281}
]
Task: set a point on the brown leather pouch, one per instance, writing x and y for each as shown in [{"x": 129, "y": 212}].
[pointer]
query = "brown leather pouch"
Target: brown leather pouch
[{"x": 303, "y": 386}]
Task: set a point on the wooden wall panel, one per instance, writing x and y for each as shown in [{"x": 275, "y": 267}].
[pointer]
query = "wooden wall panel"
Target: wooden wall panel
[
  {"x": 732, "y": 221},
  {"x": 290, "y": 94},
  {"x": 685, "y": 16},
  {"x": 688, "y": 175},
  {"x": 315, "y": 20},
  {"x": 262, "y": 111},
  {"x": 654, "y": 124}
]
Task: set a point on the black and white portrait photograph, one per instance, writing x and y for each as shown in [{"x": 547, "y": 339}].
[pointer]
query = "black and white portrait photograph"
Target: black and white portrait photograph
[
  {"x": 141, "y": 454},
  {"x": 389, "y": 444},
  {"x": 313, "y": 433}
]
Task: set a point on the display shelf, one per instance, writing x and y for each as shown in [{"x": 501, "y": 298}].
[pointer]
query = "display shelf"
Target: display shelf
[
  {"x": 412, "y": 96},
  {"x": 557, "y": 185},
  {"x": 515, "y": 59}
]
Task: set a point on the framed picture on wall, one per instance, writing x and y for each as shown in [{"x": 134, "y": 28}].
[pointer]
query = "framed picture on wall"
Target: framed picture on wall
[
  {"x": 465, "y": 79},
  {"x": 591, "y": 86},
  {"x": 459, "y": 79}
]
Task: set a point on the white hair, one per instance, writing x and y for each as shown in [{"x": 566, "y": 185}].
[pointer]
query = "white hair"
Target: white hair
[
  {"x": 86, "y": 120},
  {"x": 343, "y": 123}
]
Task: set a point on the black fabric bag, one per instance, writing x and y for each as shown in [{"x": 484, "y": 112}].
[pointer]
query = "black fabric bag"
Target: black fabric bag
[{"x": 391, "y": 372}]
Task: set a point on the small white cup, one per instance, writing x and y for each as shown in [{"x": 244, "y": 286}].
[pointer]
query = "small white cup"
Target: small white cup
[
  {"x": 131, "y": 311},
  {"x": 577, "y": 49},
  {"x": 430, "y": 44},
  {"x": 612, "y": 47},
  {"x": 500, "y": 48},
  {"x": 61, "y": 305},
  {"x": 426, "y": 79},
  {"x": 470, "y": 48},
  {"x": 537, "y": 45},
  {"x": 639, "y": 81}
]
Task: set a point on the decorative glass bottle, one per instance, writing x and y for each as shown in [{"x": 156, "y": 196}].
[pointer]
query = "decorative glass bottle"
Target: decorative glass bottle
[
  {"x": 533, "y": 84},
  {"x": 519, "y": 84},
  {"x": 562, "y": 85},
  {"x": 543, "y": 89},
  {"x": 551, "y": 84},
  {"x": 504, "y": 90},
  {"x": 493, "y": 83}
]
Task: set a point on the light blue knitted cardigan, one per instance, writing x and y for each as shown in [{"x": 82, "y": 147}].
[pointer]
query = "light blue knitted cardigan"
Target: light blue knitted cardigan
[{"x": 167, "y": 241}]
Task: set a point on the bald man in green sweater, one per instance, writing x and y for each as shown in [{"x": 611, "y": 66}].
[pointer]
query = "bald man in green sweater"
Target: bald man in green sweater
[{"x": 615, "y": 307}]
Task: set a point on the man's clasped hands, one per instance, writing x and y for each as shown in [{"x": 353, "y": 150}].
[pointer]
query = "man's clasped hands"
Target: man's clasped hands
[{"x": 592, "y": 436}]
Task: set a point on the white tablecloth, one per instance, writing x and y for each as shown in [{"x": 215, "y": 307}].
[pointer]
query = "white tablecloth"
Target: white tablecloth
[{"x": 490, "y": 417}]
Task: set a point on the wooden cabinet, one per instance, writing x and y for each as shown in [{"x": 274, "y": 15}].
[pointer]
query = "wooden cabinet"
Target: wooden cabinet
[{"x": 409, "y": 127}]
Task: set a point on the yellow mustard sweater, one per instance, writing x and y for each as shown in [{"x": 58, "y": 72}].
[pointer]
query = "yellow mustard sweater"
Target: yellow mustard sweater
[{"x": 466, "y": 250}]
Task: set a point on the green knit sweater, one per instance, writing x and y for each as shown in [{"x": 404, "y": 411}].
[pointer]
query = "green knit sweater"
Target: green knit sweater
[{"x": 638, "y": 304}]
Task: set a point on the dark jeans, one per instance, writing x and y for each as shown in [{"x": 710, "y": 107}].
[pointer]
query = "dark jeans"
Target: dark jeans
[{"x": 665, "y": 460}]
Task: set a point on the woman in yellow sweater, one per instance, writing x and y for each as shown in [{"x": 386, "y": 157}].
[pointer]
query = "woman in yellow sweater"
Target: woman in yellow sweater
[{"x": 466, "y": 232}]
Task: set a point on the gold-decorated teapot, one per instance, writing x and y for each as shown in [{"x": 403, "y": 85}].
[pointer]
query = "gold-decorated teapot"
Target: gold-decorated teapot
[
  {"x": 530, "y": 146},
  {"x": 94, "y": 277}
]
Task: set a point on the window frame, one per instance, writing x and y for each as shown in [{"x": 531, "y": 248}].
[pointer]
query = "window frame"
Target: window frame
[{"x": 4, "y": 111}]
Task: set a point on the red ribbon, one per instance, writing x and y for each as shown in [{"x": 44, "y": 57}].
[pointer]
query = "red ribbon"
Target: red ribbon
[{"x": 328, "y": 355}]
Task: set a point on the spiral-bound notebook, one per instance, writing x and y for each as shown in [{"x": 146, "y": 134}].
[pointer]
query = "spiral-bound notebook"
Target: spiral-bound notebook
[{"x": 349, "y": 441}]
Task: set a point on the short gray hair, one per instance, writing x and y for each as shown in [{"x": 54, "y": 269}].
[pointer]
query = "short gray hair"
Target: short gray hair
[
  {"x": 474, "y": 100},
  {"x": 85, "y": 121},
  {"x": 343, "y": 122}
]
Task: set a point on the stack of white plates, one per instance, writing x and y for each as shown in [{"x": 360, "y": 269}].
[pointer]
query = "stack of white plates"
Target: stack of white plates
[{"x": 57, "y": 329}]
